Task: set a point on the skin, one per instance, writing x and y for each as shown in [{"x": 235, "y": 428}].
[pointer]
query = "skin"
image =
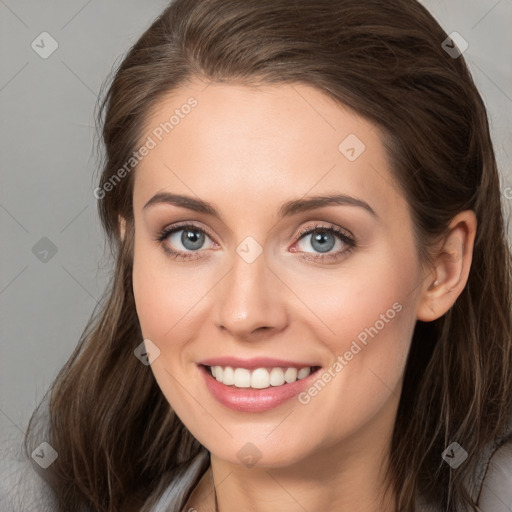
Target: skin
[{"x": 248, "y": 150}]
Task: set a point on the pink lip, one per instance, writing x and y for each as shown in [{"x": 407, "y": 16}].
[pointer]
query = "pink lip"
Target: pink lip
[
  {"x": 254, "y": 400},
  {"x": 256, "y": 362}
]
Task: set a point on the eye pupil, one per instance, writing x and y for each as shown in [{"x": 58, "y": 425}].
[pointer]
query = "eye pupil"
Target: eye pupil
[
  {"x": 195, "y": 238},
  {"x": 320, "y": 238}
]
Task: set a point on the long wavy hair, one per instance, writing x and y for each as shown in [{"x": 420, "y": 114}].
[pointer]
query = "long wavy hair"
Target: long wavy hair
[{"x": 119, "y": 442}]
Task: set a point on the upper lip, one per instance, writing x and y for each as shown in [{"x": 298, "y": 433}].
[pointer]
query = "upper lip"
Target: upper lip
[{"x": 253, "y": 363}]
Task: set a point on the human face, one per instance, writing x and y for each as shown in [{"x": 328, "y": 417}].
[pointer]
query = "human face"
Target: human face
[{"x": 248, "y": 151}]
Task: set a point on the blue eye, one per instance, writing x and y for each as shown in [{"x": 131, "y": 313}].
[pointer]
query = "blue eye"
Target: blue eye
[
  {"x": 323, "y": 239},
  {"x": 192, "y": 238}
]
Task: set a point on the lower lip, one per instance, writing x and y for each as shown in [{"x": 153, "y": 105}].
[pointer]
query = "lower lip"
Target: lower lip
[{"x": 254, "y": 400}]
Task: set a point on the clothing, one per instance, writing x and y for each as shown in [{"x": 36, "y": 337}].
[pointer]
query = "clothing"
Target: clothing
[{"x": 23, "y": 490}]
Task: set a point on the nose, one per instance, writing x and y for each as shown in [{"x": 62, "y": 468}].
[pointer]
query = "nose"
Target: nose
[{"x": 251, "y": 300}]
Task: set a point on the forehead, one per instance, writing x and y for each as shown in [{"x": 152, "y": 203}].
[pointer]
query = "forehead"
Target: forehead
[{"x": 270, "y": 143}]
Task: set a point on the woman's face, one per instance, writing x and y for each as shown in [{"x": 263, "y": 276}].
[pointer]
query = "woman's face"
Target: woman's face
[{"x": 247, "y": 284}]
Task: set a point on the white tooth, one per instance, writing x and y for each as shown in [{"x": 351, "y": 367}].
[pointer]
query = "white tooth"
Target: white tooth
[
  {"x": 303, "y": 372},
  {"x": 242, "y": 378},
  {"x": 276, "y": 377},
  {"x": 260, "y": 378},
  {"x": 290, "y": 375},
  {"x": 228, "y": 377}
]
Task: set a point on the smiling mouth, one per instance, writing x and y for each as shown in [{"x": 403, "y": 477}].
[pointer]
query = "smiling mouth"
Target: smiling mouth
[{"x": 259, "y": 378}]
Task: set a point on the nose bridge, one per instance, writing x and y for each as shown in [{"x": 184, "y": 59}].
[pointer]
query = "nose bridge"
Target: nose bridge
[{"x": 251, "y": 296}]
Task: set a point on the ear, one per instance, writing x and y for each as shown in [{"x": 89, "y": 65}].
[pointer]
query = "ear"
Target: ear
[
  {"x": 122, "y": 226},
  {"x": 452, "y": 265}
]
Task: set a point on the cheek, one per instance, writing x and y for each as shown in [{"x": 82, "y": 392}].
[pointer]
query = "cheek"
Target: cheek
[
  {"x": 363, "y": 380},
  {"x": 367, "y": 299},
  {"x": 370, "y": 316},
  {"x": 166, "y": 302},
  {"x": 167, "y": 297}
]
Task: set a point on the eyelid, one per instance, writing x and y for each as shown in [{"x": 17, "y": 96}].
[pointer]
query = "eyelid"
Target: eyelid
[
  {"x": 348, "y": 240},
  {"x": 184, "y": 224},
  {"x": 342, "y": 234},
  {"x": 167, "y": 230},
  {"x": 331, "y": 227},
  {"x": 175, "y": 254}
]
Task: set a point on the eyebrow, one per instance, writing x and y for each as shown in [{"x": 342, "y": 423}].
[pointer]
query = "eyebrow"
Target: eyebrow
[{"x": 287, "y": 209}]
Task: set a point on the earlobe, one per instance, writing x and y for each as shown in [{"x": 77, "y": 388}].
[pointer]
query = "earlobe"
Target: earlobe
[{"x": 452, "y": 266}]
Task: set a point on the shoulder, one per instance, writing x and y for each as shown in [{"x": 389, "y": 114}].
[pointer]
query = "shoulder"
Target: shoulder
[
  {"x": 21, "y": 488},
  {"x": 496, "y": 489},
  {"x": 490, "y": 485},
  {"x": 175, "y": 497}
]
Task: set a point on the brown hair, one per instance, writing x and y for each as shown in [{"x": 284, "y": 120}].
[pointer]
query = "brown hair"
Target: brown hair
[{"x": 119, "y": 442}]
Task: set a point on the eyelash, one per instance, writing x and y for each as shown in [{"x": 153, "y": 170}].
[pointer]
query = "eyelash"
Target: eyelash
[{"x": 341, "y": 235}]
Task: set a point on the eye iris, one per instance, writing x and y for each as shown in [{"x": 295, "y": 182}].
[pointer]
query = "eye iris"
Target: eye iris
[
  {"x": 321, "y": 237},
  {"x": 322, "y": 241},
  {"x": 194, "y": 237}
]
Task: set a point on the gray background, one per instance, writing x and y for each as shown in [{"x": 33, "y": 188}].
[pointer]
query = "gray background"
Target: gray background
[{"x": 48, "y": 164}]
